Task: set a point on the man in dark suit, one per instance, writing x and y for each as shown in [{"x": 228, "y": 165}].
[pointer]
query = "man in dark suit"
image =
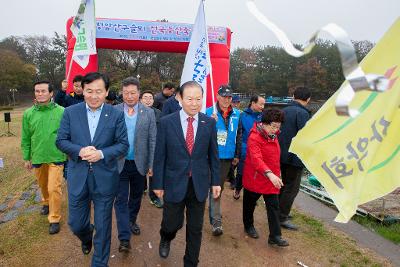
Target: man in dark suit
[
  {"x": 141, "y": 126},
  {"x": 186, "y": 158},
  {"x": 93, "y": 135},
  {"x": 172, "y": 104},
  {"x": 147, "y": 99}
]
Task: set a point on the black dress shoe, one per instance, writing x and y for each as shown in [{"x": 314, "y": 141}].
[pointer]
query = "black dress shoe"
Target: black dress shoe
[
  {"x": 252, "y": 232},
  {"x": 277, "y": 240},
  {"x": 288, "y": 225},
  {"x": 44, "y": 210},
  {"x": 87, "y": 246},
  {"x": 135, "y": 229},
  {"x": 54, "y": 228},
  {"x": 236, "y": 194},
  {"x": 124, "y": 246},
  {"x": 163, "y": 250}
]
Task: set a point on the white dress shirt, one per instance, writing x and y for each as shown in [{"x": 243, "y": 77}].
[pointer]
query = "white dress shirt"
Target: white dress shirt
[{"x": 184, "y": 122}]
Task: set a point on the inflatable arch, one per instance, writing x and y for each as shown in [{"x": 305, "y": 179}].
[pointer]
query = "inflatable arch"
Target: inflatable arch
[{"x": 153, "y": 36}]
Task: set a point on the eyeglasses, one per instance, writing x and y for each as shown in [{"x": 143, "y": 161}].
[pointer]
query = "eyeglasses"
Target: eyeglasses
[{"x": 275, "y": 126}]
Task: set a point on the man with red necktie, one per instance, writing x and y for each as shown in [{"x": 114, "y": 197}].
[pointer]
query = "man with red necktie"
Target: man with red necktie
[{"x": 186, "y": 166}]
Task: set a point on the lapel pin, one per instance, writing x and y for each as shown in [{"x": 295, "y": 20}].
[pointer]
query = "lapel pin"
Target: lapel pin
[
  {"x": 203, "y": 121},
  {"x": 106, "y": 115}
]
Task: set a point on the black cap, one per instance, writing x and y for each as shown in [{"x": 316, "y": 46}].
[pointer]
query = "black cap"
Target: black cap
[{"x": 225, "y": 90}]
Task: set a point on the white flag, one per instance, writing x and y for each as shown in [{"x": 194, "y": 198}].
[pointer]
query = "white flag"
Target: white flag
[
  {"x": 84, "y": 30},
  {"x": 197, "y": 62}
]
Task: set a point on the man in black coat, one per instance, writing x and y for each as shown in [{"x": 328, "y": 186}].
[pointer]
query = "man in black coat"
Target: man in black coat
[
  {"x": 147, "y": 99},
  {"x": 60, "y": 96},
  {"x": 296, "y": 116},
  {"x": 161, "y": 97},
  {"x": 77, "y": 96},
  {"x": 172, "y": 104}
]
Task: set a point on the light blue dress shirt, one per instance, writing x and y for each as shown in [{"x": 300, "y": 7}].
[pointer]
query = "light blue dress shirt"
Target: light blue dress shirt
[
  {"x": 130, "y": 122},
  {"x": 93, "y": 120}
]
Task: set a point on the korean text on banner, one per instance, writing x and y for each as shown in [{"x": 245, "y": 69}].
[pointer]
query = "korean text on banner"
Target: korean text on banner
[{"x": 356, "y": 159}]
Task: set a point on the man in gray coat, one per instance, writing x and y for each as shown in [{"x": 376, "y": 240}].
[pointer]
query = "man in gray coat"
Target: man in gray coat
[{"x": 141, "y": 127}]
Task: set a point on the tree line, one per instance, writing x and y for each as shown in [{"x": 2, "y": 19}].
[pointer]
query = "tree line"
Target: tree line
[{"x": 266, "y": 69}]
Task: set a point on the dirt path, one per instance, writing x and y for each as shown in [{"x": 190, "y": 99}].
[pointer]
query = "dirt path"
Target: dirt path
[{"x": 233, "y": 248}]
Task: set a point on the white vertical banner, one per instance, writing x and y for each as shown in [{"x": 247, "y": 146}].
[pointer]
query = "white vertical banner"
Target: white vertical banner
[
  {"x": 197, "y": 61},
  {"x": 84, "y": 30}
]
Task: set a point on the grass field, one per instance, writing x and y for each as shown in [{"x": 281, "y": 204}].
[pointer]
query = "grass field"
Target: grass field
[
  {"x": 14, "y": 179},
  {"x": 390, "y": 232}
]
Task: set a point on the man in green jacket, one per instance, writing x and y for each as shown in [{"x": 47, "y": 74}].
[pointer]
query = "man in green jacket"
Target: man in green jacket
[{"x": 40, "y": 124}]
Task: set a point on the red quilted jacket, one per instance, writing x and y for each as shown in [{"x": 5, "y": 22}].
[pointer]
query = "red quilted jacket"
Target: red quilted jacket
[{"x": 263, "y": 154}]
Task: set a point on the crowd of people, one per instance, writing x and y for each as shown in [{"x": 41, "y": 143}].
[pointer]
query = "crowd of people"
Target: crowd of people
[{"x": 108, "y": 146}]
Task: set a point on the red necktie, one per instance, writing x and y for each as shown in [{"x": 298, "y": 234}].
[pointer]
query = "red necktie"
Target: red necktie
[{"x": 190, "y": 135}]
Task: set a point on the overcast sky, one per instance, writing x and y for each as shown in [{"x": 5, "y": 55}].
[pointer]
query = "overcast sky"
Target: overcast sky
[{"x": 362, "y": 19}]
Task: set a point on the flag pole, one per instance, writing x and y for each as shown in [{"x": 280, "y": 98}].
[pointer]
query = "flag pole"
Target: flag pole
[
  {"x": 208, "y": 59},
  {"x": 70, "y": 66}
]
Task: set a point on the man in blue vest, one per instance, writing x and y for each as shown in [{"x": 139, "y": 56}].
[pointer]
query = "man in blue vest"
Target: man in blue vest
[{"x": 227, "y": 119}]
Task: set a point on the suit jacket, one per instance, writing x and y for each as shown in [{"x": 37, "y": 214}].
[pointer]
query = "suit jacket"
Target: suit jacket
[
  {"x": 110, "y": 137},
  {"x": 145, "y": 139},
  {"x": 173, "y": 163}
]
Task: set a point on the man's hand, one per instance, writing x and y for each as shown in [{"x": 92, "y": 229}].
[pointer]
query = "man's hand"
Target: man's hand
[
  {"x": 215, "y": 116},
  {"x": 235, "y": 161},
  {"x": 276, "y": 181},
  {"x": 216, "y": 191},
  {"x": 28, "y": 164},
  {"x": 150, "y": 173},
  {"x": 93, "y": 156},
  {"x": 159, "y": 193},
  {"x": 85, "y": 151}
]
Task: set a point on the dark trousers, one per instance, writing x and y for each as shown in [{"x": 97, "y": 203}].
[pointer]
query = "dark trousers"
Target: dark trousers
[
  {"x": 291, "y": 178},
  {"x": 129, "y": 198},
  {"x": 172, "y": 221},
  {"x": 231, "y": 175},
  {"x": 152, "y": 195},
  {"x": 79, "y": 219},
  {"x": 65, "y": 169},
  {"x": 239, "y": 174},
  {"x": 271, "y": 205}
]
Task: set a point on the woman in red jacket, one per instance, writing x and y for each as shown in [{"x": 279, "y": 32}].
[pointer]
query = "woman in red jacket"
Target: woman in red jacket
[{"x": 261, "y": 175}]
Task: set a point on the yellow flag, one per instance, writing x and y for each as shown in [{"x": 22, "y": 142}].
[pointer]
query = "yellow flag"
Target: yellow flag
[{"x": 358, "y": 159}]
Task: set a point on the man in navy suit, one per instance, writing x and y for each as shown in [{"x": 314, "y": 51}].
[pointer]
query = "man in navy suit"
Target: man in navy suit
[
  {"x": 186, "y": 165},
  {"x": 94, "y": 137}
]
